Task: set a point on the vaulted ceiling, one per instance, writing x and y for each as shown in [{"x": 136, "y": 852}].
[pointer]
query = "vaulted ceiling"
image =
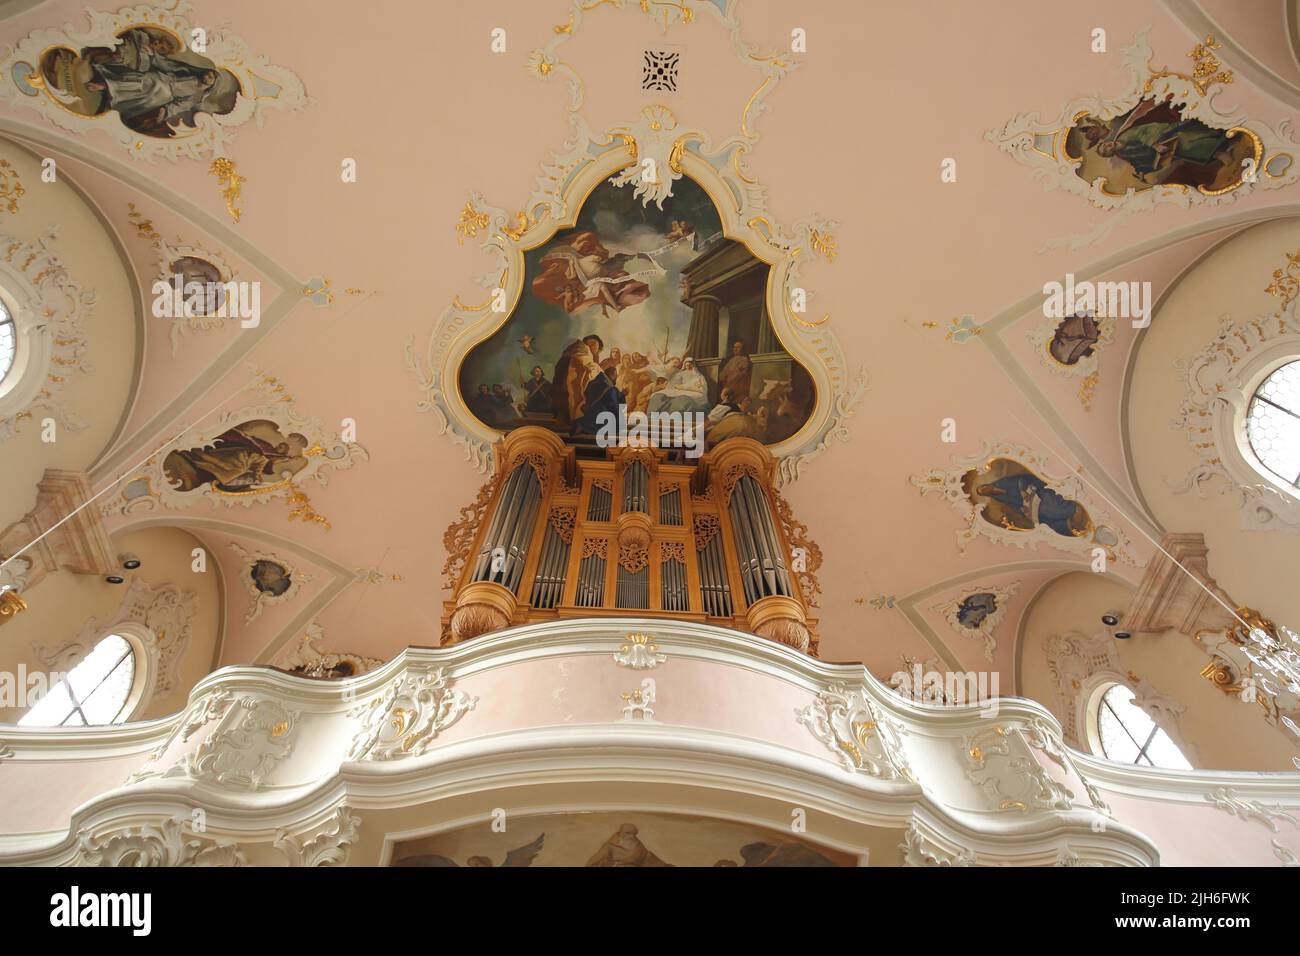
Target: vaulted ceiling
[{"x": 932, "y": 293}]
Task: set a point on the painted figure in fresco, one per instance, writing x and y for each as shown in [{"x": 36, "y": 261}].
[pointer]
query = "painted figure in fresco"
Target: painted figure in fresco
[
  {"x": 738, "y": 371},
  {"x": 193, "y": 269},
  {"x": 1074, "y": 338},
  {"x": 244, "y": 458},
  {"x": 974, "y": 609},
  {"x": 616, "y": 273},
  {"x": 1014, "y": 497},
  {"x": 538, "y": 391},
  {"x": 149, "y": 79},
  {"x": 730, "y": 418},
  {"x": 785, "y": 854},
  {"x": 625, "y": 848},
  {"x": 269, "y": 577},
  {"x": 635, "y": 379},
  {"x": 686, "y": 391},
  {"x": 520, "y": 856},
  {"x": 582, "y": 388},
  {"x": 579, "y": 271},
  {"x": 1158, "y": 145},
  {"x": 503, "y": 404}
]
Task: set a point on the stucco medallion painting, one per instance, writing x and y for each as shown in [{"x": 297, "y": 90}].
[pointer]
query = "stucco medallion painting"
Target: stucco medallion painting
[
  {"x": 1167, "y": 139},
  {"x": 152, "y": 78},
  {"x": 644, "y": 305},
  {"x": 624, "y": 839},
  {"x": 1007, "y": 495}
]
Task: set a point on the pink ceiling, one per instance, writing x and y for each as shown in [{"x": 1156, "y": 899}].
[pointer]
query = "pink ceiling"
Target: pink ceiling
[{"x": 857, "y": 133}]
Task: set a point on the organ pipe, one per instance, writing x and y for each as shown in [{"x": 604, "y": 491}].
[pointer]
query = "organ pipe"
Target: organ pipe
[{"x": 539, "y": 544}]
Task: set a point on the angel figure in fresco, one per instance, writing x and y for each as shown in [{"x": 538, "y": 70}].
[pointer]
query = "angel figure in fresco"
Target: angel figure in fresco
[
  {"x": 1158, "y": 145},
  {"x": 1011, "y": 496},
  {"x": 625, "y": 848},
  {"x": 579, "y": 271},
  {"x": 247, "y": 456},
  {"x": 520, "y": 856}
]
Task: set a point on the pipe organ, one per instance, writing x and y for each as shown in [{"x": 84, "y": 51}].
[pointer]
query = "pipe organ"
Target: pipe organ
[{"x": 635, "y": 534}]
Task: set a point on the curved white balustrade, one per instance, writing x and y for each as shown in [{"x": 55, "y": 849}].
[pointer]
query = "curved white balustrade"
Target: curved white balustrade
[{"x": 266, "y": 767}]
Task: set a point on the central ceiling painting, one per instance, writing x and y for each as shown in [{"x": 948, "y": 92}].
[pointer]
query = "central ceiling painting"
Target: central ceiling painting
[{"x": 646, "y": 307}]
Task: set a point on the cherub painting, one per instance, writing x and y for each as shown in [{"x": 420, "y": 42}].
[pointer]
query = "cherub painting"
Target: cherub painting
[
  {"x": 155, "y": 85},
  {"x": 1154, "y": 145},
  {"x": 245, "y": 458},
  {"x": 1011, "y": 496}
]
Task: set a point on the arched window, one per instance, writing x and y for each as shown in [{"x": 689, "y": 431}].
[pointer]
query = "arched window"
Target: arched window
[
  {"x": 1126, "y": 734},
  {"x": 93, "y": 693},
  {"x": 1273, "y": 425},
  {"x": 8, "y": 342}
]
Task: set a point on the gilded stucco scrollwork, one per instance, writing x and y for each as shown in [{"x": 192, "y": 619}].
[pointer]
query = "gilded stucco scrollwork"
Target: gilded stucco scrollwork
[
  {"x": 639, "y": 652},
  {"x": 921, "y": 850},
  {"x": 976, "y": 612},
  {"x": 1267, "y": 154},
  {"x": 169, "y": 843},
  {"x": 268, "y": 578},
  {"x": 1001, "y": 763},
  {"x": 845, "y": 721},
  {"x": 618, "y": 154},
  {"x": 254, "y": 735},
  {"x": 178, "y": 264},
  {"x": 1216, "y": 379},
  {"x": 50, "y": 322},
  {"x": 166, "y": 611},
  {"x": 1006, "y": 494},
  {"x": 254, "y": 454},
  {"x": 404, "y": 720},
  {"x": 328, "y": 847}
]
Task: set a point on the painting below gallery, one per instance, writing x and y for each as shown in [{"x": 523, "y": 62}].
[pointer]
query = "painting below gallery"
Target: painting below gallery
[
  {"x": 652, "y": 309},
  {"x": 624, "y": 839},
  {"x": 155, "y": 85},
  {"x": 1153, "y": 144}
]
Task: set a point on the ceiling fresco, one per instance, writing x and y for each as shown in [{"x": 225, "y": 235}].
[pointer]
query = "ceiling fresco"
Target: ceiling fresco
[{"x": 646, "y": 307}]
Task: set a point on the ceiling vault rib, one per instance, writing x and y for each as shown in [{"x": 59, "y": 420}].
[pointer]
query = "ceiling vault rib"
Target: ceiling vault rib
[
  {"x": 342, "y": 576},
  {"x": 287, "y": 297},
  {"x": 1196, "y": 21}
]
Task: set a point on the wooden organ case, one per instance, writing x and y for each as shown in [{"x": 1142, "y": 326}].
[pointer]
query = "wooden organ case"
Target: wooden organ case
[{"x": 553, "y": 536}]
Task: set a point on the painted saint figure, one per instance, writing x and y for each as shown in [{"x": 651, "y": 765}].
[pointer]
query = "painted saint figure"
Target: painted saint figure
[
  {"x": 153, "y": 83},
  {"x": 1158, "y": 145},
  {"x": 1074, "y": 339},
  {"x": 686, "y": 391},
  {"x": 251, "y": 454},
  {"x": 1019, "y": 500},
  {"x": 625, "y": 848},
  {"x": 738, "y": 371},
  {"x": 582, "y": 389},
  {"x": 538, "y": 391}
]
